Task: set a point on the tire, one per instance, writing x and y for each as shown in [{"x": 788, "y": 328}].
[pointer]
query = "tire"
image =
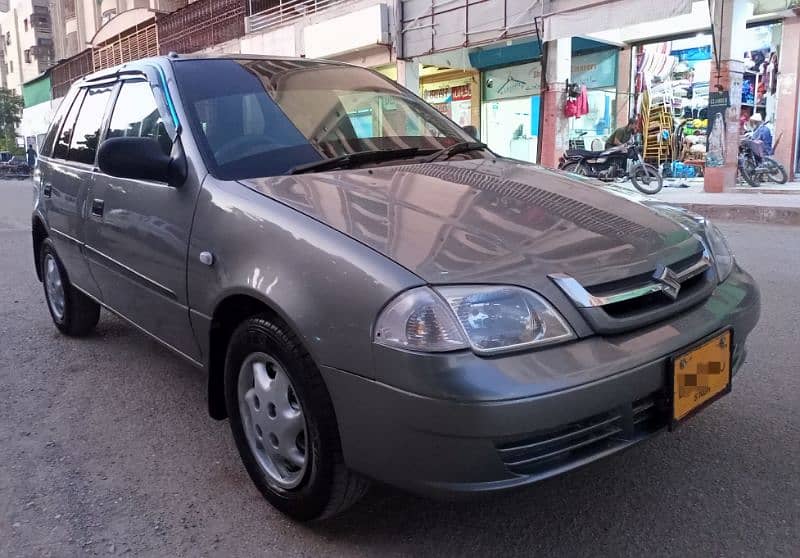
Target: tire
[
  {"x": 323, "y": 486},
  {"x": 73, "y": 313},
  {"x": 748, "y": 172},
  {"x": 646, "y": 179},
  {"x": 777, "y": 173},
  {"x": 575, "y": 168}
]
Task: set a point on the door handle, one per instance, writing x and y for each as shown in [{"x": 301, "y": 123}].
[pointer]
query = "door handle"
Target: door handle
[
  {"x": 97, "y": 207},
  {"x": 47, "y": 189}
]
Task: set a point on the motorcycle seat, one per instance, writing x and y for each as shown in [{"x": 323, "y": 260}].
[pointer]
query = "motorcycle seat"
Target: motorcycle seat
[{"x": 583, "y": 153}]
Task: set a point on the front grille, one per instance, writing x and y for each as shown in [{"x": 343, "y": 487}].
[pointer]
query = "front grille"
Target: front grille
[
  {"x": 557, "y": 449},
  {"x": 637, "y": 301},
  {"x": 655, "y": 301},
  {"x": 634, "y": 281}
]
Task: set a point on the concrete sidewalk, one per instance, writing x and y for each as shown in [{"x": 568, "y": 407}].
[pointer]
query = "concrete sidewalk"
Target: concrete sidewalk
[{"x": 773, "y": 204}]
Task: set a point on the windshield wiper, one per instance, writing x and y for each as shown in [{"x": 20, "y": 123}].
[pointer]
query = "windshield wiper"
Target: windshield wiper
[
  {"x": 455, "y": 149},
  {"x": 352, "y": 159}
]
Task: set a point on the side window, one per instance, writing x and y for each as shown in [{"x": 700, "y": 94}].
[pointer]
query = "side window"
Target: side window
[
  {"x": 50, "y": 139},
  {"x": 136, "y": 115},
  {"x": 86, "y": 135},
  {"x": 62, "y": 143}
]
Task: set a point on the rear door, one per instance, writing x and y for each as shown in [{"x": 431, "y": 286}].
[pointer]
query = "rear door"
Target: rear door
[
  {"x": 66, "y": 180},
  {"x": 137, "y": 234}
]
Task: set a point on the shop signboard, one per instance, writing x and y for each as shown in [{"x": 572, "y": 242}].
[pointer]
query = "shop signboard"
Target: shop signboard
[
  {"x": 598, "y": 69},
  {"x": 718, "y": 102},
  {"x": 523, "y": 80}
]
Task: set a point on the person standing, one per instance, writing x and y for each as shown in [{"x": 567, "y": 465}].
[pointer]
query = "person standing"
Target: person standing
[{"x": 31, "y": 153}]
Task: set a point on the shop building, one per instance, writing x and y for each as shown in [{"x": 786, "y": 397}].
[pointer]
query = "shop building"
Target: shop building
[
  {"x": 660, "y": 62},
  {"x": 497, "y": 89},
  {"x": 675, "y": 69}
]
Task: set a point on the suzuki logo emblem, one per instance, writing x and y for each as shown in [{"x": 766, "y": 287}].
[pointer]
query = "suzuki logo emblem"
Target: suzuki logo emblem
[{"x": 670, "y": 284}]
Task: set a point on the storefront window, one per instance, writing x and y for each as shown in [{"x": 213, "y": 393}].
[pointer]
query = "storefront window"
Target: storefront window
[
  {"x": 453, "y": 93},
  {"x": 597, "y": 72},
  {"x": 510, "y": 110}
]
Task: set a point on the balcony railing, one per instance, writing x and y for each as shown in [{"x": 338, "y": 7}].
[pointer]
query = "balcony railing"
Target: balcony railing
[
  {"x": 200, "y": 25},
  {"x": 66, "y": 72},
  {"x": 283, "y": 11}
]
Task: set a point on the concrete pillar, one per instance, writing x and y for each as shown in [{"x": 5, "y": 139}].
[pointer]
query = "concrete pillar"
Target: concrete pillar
[
  {"x": 730, "y": 24},
  {"x": 408, "y": 75},
  {"x": 624, "y": 97},
  {"x": 555, "y": 126},
  {"x": 787, "y": 95}
]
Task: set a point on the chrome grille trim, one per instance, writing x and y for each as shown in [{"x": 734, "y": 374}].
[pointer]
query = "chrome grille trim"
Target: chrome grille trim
[{"x": 584, "y": 299}]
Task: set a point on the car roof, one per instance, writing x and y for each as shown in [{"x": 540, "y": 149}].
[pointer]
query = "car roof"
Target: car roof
[{"x": 162, "y": 61}]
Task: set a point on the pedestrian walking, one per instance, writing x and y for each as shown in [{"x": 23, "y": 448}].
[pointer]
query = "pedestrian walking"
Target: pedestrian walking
[{"x": 31, "y": 153}]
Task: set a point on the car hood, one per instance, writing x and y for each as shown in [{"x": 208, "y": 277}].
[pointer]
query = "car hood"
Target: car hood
[{"x": 488, "y": 221}]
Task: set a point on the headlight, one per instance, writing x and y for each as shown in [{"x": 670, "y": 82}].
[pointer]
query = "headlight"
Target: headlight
[
  {"x": 720, "y": 251},
  {"x": 419, "y": 320},
  {"x": 489, "y": 319}
]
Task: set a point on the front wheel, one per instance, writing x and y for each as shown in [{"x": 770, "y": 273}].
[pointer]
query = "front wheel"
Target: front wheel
[
  {"x": 748, "y": 170},
  {"x": 284, "y": 424},
  {"x": 775, "y": 171},
  {"x": 646, "y": 178},
  {"x": 576, "y": 168}
]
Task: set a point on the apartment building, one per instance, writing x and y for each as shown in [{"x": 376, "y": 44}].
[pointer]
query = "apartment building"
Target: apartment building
[
  {"x": 80, "y": 20},
  {"x": 27, "y": 41}
]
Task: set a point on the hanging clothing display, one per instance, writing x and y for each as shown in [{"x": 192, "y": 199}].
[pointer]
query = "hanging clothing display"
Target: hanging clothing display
[{"x": 582, "y": 102}]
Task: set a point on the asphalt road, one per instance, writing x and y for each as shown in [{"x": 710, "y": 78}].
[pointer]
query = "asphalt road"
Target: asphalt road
[{"x": 106, "y": 448}]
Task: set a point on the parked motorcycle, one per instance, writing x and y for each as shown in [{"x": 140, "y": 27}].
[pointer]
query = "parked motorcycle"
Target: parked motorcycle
[
  {"x": 15, "y": 167},
  {"x": 611, "y": 165},
  {"x": 755, "y": 167}
]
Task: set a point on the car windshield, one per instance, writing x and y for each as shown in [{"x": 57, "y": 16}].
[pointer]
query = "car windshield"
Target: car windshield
[{"x": 266, "y": 117}]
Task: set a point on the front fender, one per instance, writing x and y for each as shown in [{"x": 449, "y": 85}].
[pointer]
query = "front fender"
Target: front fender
[{"x": 326, "y": 286}]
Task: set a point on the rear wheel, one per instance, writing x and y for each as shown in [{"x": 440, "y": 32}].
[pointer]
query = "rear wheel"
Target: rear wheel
[
  {"x": 575, "y": 168},
  {"x": 73, "y": 312},
  {"x": 776, "y": 172},
  {"x": 646, "y": 178},
  {"x": 284, "y": 423}
]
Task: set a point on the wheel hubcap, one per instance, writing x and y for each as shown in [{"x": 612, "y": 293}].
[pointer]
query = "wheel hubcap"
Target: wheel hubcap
[
  {"x": 54, "y": 287},
  {"x": 273, "y": 420}
]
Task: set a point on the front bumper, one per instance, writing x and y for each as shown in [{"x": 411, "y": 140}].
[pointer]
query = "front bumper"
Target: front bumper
[{"x": 455, "y": 434}]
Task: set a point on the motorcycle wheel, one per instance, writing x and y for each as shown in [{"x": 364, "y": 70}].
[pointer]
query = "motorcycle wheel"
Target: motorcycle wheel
[
  {"x": 646, "y": 179},
  {"x": 777, "y": 173},
  {"x": 575, "y": 168},
  {"x": 747, "y": 170}
]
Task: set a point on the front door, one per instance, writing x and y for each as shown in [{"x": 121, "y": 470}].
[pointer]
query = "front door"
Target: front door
[{"x": 137, "y": 234}]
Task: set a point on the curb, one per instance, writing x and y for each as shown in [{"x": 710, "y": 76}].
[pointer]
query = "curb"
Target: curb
[{"x": 746, "y": 213}]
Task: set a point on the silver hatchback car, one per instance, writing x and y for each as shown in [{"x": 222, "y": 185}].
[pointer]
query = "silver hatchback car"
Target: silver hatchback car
[{"x": 372, "y": 293}]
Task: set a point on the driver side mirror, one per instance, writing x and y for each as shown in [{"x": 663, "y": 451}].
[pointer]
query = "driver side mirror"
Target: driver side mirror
[{"x": 135, "y": 157}]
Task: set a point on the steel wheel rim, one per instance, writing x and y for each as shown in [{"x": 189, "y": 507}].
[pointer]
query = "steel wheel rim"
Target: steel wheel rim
[
  {"x": 273, "y": 420},
  {"x": 54, "y": 287}
]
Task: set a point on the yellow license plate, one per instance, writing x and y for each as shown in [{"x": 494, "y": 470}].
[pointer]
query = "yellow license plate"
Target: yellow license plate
[{"x": 701, "y": 375}]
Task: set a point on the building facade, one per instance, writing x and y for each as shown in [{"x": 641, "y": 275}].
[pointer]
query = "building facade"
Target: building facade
[
  {"x": 658, "y": 62},
  {"x": 81, "y": 20},
  {"x": 28, "y": 47}
]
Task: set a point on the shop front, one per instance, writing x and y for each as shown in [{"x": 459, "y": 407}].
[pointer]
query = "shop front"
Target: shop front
[
  {"x": 597, "y": 72},
  {"x": 674, "y": 90},
  {"x": 452, "y": 92},
  {"x": 510, "y": 110}
]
